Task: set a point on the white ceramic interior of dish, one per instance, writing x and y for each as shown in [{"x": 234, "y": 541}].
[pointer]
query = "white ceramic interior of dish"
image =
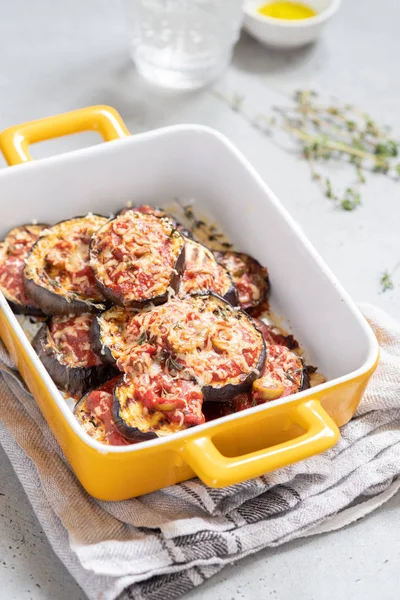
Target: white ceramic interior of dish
[
  {"x": 190, "y": 161},
  {"x": 286, "y": 33}
]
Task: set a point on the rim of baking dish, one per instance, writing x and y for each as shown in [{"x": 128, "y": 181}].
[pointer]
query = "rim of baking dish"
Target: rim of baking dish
[{"x": 373, "y": 351}]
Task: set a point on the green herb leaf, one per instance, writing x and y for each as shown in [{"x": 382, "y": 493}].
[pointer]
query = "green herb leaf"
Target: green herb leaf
[
  {"x": 351, "y": 199},
  {"x": 172, "y": 364},
  {"x": 386, "y": 281},
  {"x": 237, "y": 102},
  {"x": 142, "y": 338}
]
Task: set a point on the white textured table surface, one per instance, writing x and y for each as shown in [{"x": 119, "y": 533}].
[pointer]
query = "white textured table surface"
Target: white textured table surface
[{"x": 60, "y": 56}]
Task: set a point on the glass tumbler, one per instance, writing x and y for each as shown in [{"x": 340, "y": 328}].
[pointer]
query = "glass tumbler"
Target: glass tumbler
[{"x": 183, "y": 44}]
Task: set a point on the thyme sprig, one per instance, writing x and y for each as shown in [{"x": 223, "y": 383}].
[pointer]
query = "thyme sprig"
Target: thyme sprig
[
  {"x": 342, "y": 133},
  {"x": 329, "y": 132},
  {"x": 142, "y": 339},
  {"x": 386, "y": 280},
  {"x": 171, "y": 364}
]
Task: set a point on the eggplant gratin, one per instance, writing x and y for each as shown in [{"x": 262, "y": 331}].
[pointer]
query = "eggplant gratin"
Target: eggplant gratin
[
  {"x": 148, "y": 329},
  {"x": 63, "y": 345}
]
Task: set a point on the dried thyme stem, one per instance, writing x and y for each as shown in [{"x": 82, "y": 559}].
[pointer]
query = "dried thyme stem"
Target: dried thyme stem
[{"x": 332, "y": 145}]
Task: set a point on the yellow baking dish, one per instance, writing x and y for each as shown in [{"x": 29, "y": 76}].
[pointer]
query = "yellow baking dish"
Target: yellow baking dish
[{"x": 197, "y": 162}]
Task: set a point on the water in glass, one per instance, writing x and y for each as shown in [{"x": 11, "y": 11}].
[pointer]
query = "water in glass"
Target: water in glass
[{"x": 183, "y": 44}]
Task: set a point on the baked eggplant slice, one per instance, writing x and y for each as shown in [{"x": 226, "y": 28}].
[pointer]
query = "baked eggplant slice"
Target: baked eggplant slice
[
  {"x": 250, "y": 278},
  {"x": 94, "y": 412},
  {"x": 120, "y": 337},
  {"x": 111, "y": 335},
  {"x": 156, "y": 405},
  {"x": 21, "y": 239},
  {"x": 200, "y": 337},
  {"x": 13, "y": 252},
  {"x": 63, "y": 346},
  {"x": 137, "y": 259},
  {"x": 284, "y": 374},
  {"x": 204, "y": 274},
  {"x": 58, "y": 277}
]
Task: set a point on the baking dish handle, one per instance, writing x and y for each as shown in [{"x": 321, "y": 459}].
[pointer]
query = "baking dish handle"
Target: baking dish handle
[
  {"x": 15, "y": 141},
  {"x": 217, "y": 470}
]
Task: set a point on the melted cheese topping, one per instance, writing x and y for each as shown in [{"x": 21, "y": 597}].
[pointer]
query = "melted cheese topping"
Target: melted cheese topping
[
  {"x": 147, "y": 209},
  {"x": 21, "y": 239},
  {"x": 60, "y": 260},
  {"x": 160, "y": 404},
  {"x": 203, "y": 336},
  {"x": 69, "y": 337},
  {"x": 282, "y": 374},
  {"x": 116, "y": 333},
  {"x": 13, "y": 253},
  {"x": 202, "y": 272},
  {"x": 135, "y": 255}
]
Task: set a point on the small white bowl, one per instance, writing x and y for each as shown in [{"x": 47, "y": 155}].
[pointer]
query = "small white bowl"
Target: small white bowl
[{"x": 284, "y": 33}]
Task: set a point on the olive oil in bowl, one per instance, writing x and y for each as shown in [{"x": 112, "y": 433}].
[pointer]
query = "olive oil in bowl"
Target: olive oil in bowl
[{"x": 287, "y": 10}]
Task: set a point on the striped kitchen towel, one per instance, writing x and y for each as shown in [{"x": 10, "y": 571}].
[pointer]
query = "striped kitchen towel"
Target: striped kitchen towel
[{"x": 159, "y": 546}]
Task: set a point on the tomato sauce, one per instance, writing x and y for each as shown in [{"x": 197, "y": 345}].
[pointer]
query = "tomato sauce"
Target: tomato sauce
[
  {"x": 75, "y": 274},
  {"x": 135, "y": 255},
  {"x": 99, "y": 403},
  {"x": 181, "y": 400},
  {"x": 13, "y": 252},
  {"x": 12, "y": 279},
  {"x": 71, "y": 337}
]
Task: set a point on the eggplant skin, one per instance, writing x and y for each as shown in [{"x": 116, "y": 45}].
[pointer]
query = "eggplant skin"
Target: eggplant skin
[
  {"x": 54, "y": 304},
  {"x": 102, "y": 351},
  {"x": 305, "y": 381},
  {"x": 22, "y": 309},
  {"x": 231, "y": 295},
  {"x": 130, "y": 433},
  {"x": 74, "y": 380}
]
